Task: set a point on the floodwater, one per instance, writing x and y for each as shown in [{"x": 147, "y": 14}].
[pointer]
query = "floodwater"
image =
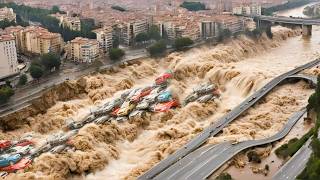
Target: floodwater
[{"x": 126, "y": 150}]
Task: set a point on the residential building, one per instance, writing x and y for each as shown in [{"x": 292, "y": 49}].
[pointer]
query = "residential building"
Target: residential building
[
  {"x": 8, "y": 56},
  {"x": 247, "y": 9},
  {"x": 104, "y": 37},
  {"x": 73, "y": 23},
  {"x": 7, "y": 13},
  {"x": 35, "y": 40},
  {"x": 208, "y": 29},
  {"x": 83, "y": 50},
  {"x": 130, "y": 29}
]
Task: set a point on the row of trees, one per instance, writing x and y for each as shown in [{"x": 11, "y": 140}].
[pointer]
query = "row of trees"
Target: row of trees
[
  {"x": 312, "y": 171},
  {"x": 6, "y": 92},
  {"x": 312, "y": 11},
  {"x": 26, "y": 13},
  {"x": 119, "y": 8},
  {"x": 193, "y": 6}
]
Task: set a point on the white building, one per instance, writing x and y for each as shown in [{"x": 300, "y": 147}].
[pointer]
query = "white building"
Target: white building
[
  {"x": 8, "y": 56},
  {"x": 7, "y": 13},
  {"x": 104, "y": 37},
  {"x": 252, "y": 9}
]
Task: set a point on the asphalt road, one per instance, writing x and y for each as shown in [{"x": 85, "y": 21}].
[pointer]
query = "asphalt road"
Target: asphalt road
[
  {"x": 215, "y": 128},
  {"x": 208, "y": 159},
  {"x": 296, "y": 164}
]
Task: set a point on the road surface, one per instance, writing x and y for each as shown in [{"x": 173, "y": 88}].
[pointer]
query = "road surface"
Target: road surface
[
  {"x": 209, "y": 159},
  {"x": 215, "y": 128}
]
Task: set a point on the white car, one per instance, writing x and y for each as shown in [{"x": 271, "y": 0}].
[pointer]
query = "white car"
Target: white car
[
  {"x": 23, "y": 150},
  {"x": 102, "y": 119},
  {"x": 58, "y": 149}
]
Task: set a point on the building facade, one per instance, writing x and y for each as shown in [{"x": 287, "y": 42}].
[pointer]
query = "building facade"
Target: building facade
[
  {"x": 129, "y": 30},
  {"x": 250, "y": 10},
  {"x": 8, "y": 56},
  {"x": 104, "y": 37},
  {"x": 36, "y": 40},
  {"x": 73, "y": 23},
  {"x": 83, "y": 50}
]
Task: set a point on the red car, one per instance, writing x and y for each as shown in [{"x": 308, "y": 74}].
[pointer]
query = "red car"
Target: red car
[
  {"x": 5, "y": 144},
  {"x": 145, "y": 92},
  {"x": 115, "y": 112},
  {"x": 24, "y": 142},
  {"x": 23, "y": 163},
  {"x": 163, "y": 107},
  {"x": 163, "y": 78}
]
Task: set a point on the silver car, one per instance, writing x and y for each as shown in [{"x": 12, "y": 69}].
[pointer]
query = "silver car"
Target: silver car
[
  {"x": 143, "y": 105},
  {"x": 205, "y": 98},
  {"x": 136, "y": 113},
  {"x": 58, "y": 149},
  {"x": 122, "y": 118},
  {"x": 102, "y": 119},
  {"x": 204, "y": 88},
  {"x": 114, "y": 103}
]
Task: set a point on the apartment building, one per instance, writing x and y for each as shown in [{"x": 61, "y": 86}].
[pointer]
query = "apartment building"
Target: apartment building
[
  {"x": 130, "y": 29},
  {"x": 36, "y": 40},
  {"x": 73, "y": 23},
  {"x": 208, "y": 29},
  {"x": 247, "y": 9},
  {"x": 8, "y": 56},
  {"x": 83, "y": 50},
  {"x": 104, "y": 37},
  {"x": 7, "y": 13}
]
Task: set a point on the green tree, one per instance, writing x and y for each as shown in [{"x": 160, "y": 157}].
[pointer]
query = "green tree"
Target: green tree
[
  {"x": 142, "y": 37},
  {"x": 5, "y": 93},
  {"x": 36, "y": 71},
  {"x": 6, "y": 23},
  {"x": 116, "y": 53},
  {"x": 193, "y": 6},
  {"x": 154, "y": 33},
  {"x": 115, "y": 43},
  {"x": 23, "y": 79},
  {"x": 182, "y": 43},
  {"x": 254, "y": 157},
  {"x": 55, "y": 9},
  {"x": 50, "y": 60},
  {"x": 157, "y": 48}
]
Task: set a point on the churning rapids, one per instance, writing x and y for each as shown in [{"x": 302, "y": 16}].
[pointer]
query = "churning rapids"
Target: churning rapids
[{"x": 126, "y": 150}]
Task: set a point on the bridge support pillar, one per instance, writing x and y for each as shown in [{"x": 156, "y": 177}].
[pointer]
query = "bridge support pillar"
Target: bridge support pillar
[{"x": 306, "y": 30}]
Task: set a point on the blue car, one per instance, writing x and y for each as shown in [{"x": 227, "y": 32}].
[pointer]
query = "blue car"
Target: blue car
[
  {"x": 165, "y": 97},
  {"x": 7, "y": 160}
]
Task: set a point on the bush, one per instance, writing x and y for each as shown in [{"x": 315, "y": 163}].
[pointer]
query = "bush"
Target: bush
[
  {"x": 116, "y": 53},
  {"x": 182, "y": 43},
  {"x": 254, "y": 157},
  {"x": 290, "y": 148},
  {"x": 154, "y": 33},
  {"x": 224, "y": 176},
  {"x": 36, "y": 71},
  {"x": 157, "y": 48},
  {"x": 23, "y": 79},
  {"x": 5, "y": 93}
]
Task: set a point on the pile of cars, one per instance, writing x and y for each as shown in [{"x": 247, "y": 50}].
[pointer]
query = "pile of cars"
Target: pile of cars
[
  {"x": 203, "y": 93},
  {"x": 15, "y": 155}
]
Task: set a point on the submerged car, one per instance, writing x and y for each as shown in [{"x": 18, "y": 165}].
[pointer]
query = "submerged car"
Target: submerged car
[
  {"x": 163, "y": 107},
  {"x": 88, "y": 119},
  {"x": 126, "y": 108},
  {"x": 164, "y": 78},
  {"x": 204, "y": 88},
  {"x": 205, "y": 98},
  {"x": 136, "y": 113},
  {"x": 75, "y": 125},
  {"x": 4, "y": 144},
  {"x": 113, "y": 105},
  {"x": 23, "y": 163},
  {"x": 6, "y": 160},
  {"x": 190, "y": 98},
  {"x": 23, "y": 150},
  {"x": 58, "y": 149},
  {"x": 122, "y": 118},
  {"x": 140, "y": 94},
  {"x": 102, "y": 119},
  {"x": 24, "y": 142},
  {"x": 143, "y": 105},
  {"x": 164, "y": 97}
]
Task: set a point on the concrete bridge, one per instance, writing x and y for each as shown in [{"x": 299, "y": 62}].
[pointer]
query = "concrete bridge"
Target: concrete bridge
[{"x": 305, "y": 24}]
